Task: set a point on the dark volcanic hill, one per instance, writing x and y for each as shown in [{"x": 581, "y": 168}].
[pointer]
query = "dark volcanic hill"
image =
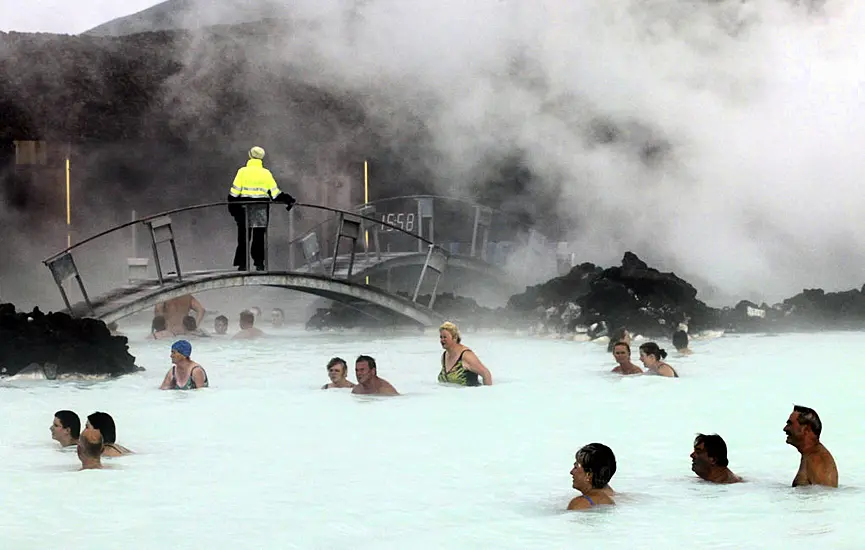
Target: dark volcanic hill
[
  {"x": 186, "y": 14},
  {"x": 202, "y": 93},
  {"x": 166, "y": 84}
]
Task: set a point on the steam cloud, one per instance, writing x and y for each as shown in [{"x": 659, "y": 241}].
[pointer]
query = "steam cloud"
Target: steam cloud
[{"x": 720, "y": 139}]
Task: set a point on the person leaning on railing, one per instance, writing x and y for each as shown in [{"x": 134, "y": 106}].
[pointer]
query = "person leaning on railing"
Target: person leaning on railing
[{"x": 253, "y": 182}]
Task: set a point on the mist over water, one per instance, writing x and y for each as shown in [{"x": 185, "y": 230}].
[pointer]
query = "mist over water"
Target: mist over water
[
  {"x": 716, "y": 139},
  {"x": 720, "y": 140}
]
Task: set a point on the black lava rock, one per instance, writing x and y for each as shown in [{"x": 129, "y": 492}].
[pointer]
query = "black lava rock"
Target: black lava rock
[{"x": 60, "y": 344}]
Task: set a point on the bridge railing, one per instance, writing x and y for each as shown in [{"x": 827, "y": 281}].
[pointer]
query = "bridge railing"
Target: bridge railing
[
  {"x": 494, "y": 233},
  {"x": 347, "y": 226}
]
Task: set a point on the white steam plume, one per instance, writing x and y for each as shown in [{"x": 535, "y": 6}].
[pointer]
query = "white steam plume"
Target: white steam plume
[{"x": 720, "y": 139}]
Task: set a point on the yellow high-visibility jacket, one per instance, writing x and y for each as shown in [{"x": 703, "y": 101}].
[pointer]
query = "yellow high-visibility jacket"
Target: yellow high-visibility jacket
[{"x": 254, "y": 181}]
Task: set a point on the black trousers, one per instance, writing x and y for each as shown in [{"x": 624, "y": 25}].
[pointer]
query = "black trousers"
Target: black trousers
[{"x": 256, "y": 235}]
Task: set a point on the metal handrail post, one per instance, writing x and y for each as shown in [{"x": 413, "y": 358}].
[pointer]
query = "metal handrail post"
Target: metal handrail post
[{"x": 422, "y": 274}]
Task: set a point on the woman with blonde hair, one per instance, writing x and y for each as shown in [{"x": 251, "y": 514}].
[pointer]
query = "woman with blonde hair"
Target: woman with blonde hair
[{"x": 460, "y": 365}]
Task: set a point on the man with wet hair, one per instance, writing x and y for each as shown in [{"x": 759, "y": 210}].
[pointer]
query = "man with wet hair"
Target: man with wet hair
[
  {"x": 277, "y": 317},
  {"x": 368, "y": 382},
  {"x": 104, "y": 424},
  {"x": 66, "y": 428},
  {"x": 709, "y": 459},
  {"x": 816, "y": 467},
  {"x": 191, "y": 327},
  {"x": 337, "y": 370},
  {"x": 90, "y": 449},
  {"x": 220, "y": 324},
  {"x": 622, "y": 355},
  {"x": 247, "y": 327}
]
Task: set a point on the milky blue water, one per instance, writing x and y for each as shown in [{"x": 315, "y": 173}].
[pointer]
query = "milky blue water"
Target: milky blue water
[{"x": 264, "y": 459}]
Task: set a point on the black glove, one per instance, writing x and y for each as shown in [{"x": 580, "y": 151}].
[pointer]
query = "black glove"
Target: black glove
[
  {"x": 288, "y": 200},
  {"x": 236, "y": 210}
]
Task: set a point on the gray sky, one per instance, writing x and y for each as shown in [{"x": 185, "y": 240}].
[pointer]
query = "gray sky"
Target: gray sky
[{"x": 64, "y": 16}]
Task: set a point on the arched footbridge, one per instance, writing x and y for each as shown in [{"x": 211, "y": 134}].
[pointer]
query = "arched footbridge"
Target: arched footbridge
[{"x": 338, "y": 255}]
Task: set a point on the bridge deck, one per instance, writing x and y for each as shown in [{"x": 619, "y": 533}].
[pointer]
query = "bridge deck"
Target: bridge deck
[
  {"x": 133, "y": 291},
  {"x": 132, "y": 298}
]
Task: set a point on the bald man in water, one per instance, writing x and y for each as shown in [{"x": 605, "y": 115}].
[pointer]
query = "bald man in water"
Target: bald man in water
[
  {"x": 816, "y": 467},
  {"x": 90, "y": 449}
]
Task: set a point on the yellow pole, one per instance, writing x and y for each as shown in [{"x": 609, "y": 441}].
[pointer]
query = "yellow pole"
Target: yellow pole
[
  {"x": 366, "y": 202},
  {"x": 68, "y": 206}
]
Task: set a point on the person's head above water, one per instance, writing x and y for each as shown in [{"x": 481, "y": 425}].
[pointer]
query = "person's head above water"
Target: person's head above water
[
  {"x": 158, "y": 324},
  {"x": 220, "y": 324},
  {"x": 189, "y": 324},
  {"x": 449, "y": 334},
  {"x": 621, "y": 334},
  {"x": 595, "y": 465},
  {"x": 105, "y": 424},
  {"x": 277, "y": 317},
  {"x": 622, "y": 352},
  {"x": 710, "y": 451},
  {"x": 247, "y": 319},
  {"x": 680, "y": 340},
  {"x": 364, "y": 369},
  {"x": 651, "y": 351},
  {"x": 90, "y": 445},
  {"x": 182, "y": 348},
  {"x": 803, "y": 427},
  {"x": 66, "y": 428},
  {"x": 709, "y": 460},
  {"x": 337, "y": 369}
]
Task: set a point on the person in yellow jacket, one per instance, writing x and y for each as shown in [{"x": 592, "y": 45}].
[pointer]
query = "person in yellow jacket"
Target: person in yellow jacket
[{"x": 253, "y": 182}]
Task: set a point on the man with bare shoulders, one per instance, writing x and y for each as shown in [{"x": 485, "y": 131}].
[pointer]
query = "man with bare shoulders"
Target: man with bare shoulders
[
  {"x": 368, "y": 382},
  {"x": 247, "y": 327},
  {"x": 90, "y": 449},
  {"x": 176, "y": 309},
  {"x": 337, "y": 370},
  {"x": 709, "y": 459},
  {"x": 622, "y": 355},
  {"x": 817, "y": 467}
]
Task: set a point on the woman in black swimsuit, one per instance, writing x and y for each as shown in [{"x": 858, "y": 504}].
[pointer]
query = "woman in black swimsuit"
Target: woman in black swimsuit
[
  {"x": 460, "y": 365},
  {"x": 651, "y": 355}
]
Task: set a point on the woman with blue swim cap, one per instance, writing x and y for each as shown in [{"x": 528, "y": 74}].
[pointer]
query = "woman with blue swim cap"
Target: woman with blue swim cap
[{"x": 185, "y": 374}]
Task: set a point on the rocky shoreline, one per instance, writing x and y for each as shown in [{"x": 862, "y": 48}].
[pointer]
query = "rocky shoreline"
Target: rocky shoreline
[
  {"x": 60, "y": 346},
  {"x": 588, "y": 302},
  {"x": 593, "y": 300}
]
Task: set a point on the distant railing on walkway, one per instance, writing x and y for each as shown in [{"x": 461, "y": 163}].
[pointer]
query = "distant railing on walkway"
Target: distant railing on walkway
[{"x": 421, "y": 214}]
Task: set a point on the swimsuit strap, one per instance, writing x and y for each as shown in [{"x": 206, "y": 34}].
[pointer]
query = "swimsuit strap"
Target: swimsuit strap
[{"x": 457, "y": 362}]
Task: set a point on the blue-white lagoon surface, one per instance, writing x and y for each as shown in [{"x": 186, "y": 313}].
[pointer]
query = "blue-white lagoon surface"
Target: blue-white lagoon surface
[{"x": 265, "y": 459}]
